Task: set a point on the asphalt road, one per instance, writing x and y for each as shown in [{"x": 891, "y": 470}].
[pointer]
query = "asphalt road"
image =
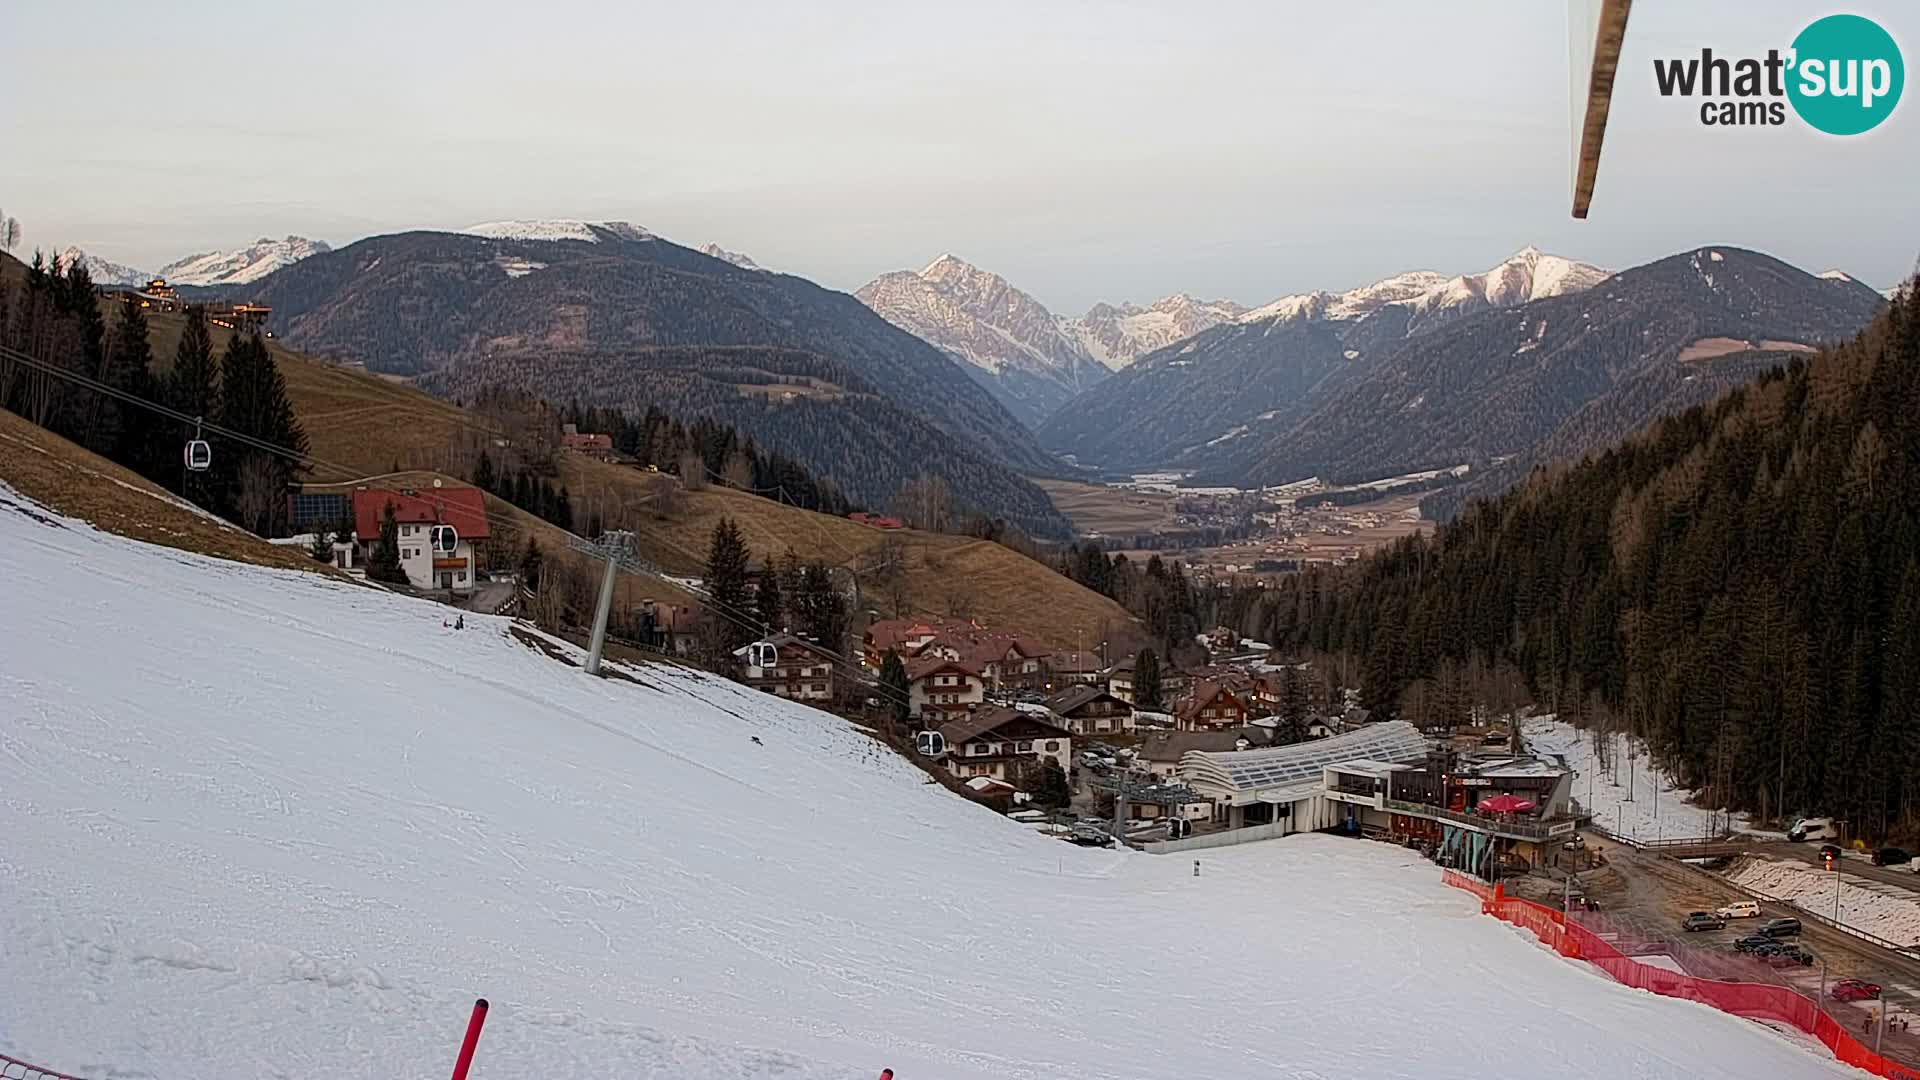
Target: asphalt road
[{"x": 1653, "y": 894}]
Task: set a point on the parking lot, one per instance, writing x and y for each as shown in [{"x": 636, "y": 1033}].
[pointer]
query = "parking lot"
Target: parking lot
[{"x": 1644, "y": 899}]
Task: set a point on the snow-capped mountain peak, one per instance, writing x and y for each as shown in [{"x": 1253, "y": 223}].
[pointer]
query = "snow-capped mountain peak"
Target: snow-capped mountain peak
[
  {"x": 103, "y": 271},
  {"x": 242, "y": 266},
  {"x": 1118, "y": 335},
  {"x": 1529, "y": 274},
  {"x": 1027, "y": 355},
  {"x": 557, "y": 229},
  {"x": 734, "y": 257}
]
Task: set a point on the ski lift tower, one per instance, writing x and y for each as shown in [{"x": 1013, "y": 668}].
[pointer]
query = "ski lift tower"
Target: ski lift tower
[
  {"x": 1170, "y": 795},
  {"x": 616, "y": 547}
]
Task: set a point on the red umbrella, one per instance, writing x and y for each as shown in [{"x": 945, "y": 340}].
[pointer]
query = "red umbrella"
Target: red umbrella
[{"x": 1507, "y": 804}]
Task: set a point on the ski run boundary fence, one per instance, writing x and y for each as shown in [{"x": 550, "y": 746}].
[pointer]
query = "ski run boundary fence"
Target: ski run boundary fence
[
  {"x": 15, "y": 1069},
  {"x": 1753, "y": 1001}
]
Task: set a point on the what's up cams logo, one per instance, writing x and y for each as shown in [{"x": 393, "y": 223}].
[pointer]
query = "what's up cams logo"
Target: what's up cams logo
[{"x": 1842, "y": 75}]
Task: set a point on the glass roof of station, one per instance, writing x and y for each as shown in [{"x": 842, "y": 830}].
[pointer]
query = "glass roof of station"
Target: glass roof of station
[{"x": 1248, "y": 770}]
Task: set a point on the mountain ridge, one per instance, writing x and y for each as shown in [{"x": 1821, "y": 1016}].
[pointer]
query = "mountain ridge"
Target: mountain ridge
[{"x": 613, "y": 315}]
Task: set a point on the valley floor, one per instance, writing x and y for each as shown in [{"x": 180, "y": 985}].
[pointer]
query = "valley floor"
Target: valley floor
[{"x": 259, "y": 822}]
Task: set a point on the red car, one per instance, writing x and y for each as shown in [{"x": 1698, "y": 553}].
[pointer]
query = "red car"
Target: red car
[{"x": 1854, "y": 990}]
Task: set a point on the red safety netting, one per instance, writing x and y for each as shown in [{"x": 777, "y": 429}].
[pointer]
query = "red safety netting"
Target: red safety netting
[{"x": 1759, "y": 1001}]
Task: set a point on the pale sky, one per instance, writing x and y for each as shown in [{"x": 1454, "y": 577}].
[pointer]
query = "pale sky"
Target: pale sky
[{"x": 1087, "y": 151}]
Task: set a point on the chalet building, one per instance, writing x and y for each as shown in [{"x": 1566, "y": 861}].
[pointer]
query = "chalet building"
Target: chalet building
[
  {"x": 875, "y": 521},
  {"x": 798, "y": 669},
  {"x": 1089, "y": 710},
  {"x": 1161, "y": 752},
  {"x": 667, "y": 628},
  {"x": 417, "y": 513},
  {"x": 1002, "y": 660},
  {"x": 1120, "y": 681},
  {"x": 1003, "y": 743},
  {"x": 1211, "y": 705},
  {"x": 580, "y": 442},
  {"x": 1076, "y": 668},
  {"x": 904, "y": 636},
  {"x": 938, "y": 688}
]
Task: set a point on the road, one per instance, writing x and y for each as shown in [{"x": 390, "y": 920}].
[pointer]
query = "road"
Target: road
[
  {"x": 1644, "y": 896},
  {"x": 1854, "y": 864}
]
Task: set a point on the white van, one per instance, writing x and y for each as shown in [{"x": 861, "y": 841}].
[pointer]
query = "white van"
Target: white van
[
  {"x": 1813, "y": 828},
  {"x": 1740, "y": 909}
]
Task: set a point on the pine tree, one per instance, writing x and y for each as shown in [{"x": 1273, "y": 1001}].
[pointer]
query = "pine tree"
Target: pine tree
[
  {"x": 895, "y": 691},
  {"x": 822, "y": 611},
  {"x": 1293, "y": 707},
  {"x": 250, "y": 482},
  {"x": 322, "y": 546},
  {"x": 1048, "y": 785},
  {"x": 769, "y": 602},
  {"x": 483, "y": 472},
  {"x": 191, "y": 388},
  {"x": 383, "y": 563},
  {"x": 141, "y": 444},
  {"x": 563, "y": 510},
  {"x": 531, "y": 564},
  {"x": 1146, "y": 681},
  {"x": 726, "y": 584}
]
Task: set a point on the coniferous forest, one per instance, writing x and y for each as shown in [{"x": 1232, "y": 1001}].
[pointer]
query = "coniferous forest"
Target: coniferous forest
[
  {"x": 54, "y": 318},
  {"x": 1740, "y": 585}
]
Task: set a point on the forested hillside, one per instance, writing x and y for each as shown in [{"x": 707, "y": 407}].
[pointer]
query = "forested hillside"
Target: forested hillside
[
  {"x": 816, "y": 412},
  {"x": 1740, "y": 584}
]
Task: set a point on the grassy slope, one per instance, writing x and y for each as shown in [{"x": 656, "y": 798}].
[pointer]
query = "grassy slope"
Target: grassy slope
[
  {"x": 81, "y": 484},
  {"x": 365, "y": 424}
]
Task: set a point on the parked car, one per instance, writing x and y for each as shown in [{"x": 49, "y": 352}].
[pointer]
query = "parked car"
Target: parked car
[
  {"x": 1854, "y": 990},
  {"x": 1779, "y": 928},
  {"x": 1891, "y": 856},
  {"x": 1789, "y": 956},
  {"x": 1813, "y": 828},
  {"x": 1090, "y": 834},
  {"x": 1740, "y": 909},
  {"x": 1753, "y": 942},
  {"x": 1702, "y": 920}
]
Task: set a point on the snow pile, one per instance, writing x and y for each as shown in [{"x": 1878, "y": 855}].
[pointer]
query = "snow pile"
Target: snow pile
[
  {"x": 1604, "y": 792},
  {"x": 244, "y": 265},
  {"x": 258, "y": 821},
  {"x": 1880, "y": 909}
]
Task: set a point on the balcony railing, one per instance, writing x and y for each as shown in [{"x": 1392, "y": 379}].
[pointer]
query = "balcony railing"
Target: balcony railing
[{"x": 1526, "y": 830}]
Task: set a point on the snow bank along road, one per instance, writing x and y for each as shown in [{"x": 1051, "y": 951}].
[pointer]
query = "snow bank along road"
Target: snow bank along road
[{"x": 257, "y": 823}]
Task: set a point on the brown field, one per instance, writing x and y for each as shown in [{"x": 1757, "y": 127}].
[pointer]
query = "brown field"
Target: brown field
[
  {"x": 1097, "y": 508},
  {"x": 360, "y": 427},
  {"x": 81, "y": 484}
]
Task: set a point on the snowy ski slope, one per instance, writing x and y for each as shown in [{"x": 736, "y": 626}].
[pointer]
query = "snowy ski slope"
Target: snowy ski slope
[{"x": 258, "y": 823}]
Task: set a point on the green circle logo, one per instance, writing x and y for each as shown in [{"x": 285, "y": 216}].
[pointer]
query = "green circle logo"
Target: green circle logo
[{"x": 1846, "y": 75}]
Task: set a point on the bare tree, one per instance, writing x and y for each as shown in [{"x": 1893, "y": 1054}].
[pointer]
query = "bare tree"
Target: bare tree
[
  {"x": 9, "y": 232},
  {"x": 693, "y": 471},
  {"x": 739, "y": 471},
  {"x": 260, "y": 491}
]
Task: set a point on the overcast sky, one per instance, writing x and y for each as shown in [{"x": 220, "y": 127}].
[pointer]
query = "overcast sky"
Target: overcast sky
[{"x": 1087, "y": 151}]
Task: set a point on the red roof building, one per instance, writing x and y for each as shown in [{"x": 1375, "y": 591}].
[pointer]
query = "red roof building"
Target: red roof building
[{"x": 417, "y": 514}]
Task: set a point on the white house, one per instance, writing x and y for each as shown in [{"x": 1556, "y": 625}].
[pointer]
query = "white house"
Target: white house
[
  {"x": 416, "y": 514},
  {"x": 788, "y": 667}
]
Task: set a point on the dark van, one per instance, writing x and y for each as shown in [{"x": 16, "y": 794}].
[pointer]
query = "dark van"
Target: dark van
[{"x": 1779, "y": 928}]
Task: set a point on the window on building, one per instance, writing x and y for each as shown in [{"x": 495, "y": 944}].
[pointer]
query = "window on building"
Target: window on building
[
  {"x": 976, "y": 749},
  {"x": 1053, "y": 746},
  {"x": 1024, "y": 747}
]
